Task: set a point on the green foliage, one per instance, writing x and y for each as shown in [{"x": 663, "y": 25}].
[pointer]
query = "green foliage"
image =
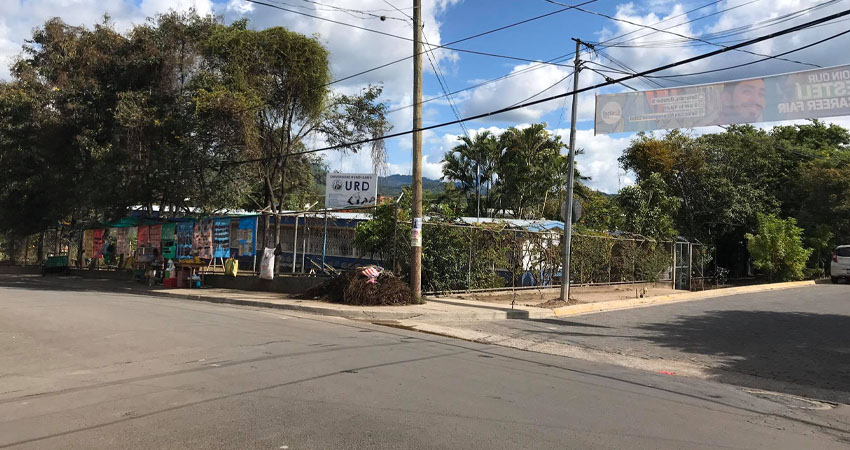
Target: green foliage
[
  {"x": 447, "y": 248},
  {"x": 96, "y": 121},
  {"x": 778, "y": 249},
  {"x": 648, "y": 209},
  {"x": 531, "y": 170}
]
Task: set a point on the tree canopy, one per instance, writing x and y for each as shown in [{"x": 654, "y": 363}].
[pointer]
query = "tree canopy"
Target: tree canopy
[{"x": 182, "y": 111}]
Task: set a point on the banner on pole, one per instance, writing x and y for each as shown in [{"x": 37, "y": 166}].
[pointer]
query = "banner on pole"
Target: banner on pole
[
  {"x": 799, "y": 95},
  {"x": 350, "y": 190}
]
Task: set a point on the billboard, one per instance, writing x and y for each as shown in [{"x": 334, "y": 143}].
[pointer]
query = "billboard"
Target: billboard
[
  {"x": 800, "y": 95},
  {"x": 350, "y": 190}
]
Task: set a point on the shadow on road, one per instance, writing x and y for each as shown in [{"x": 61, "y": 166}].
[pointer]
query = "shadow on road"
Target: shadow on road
[{"x": 802, "y": 348}]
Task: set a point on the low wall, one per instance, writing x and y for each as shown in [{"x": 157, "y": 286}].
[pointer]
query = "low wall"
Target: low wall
[
  {"x": 19, "y": 270},
  {"x": 282, "y": 284},
  {"x": 124, "y": 275}
]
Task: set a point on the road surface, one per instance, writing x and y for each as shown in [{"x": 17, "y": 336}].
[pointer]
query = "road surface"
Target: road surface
[
  {"x": 794, "y": 340},
  {"x": 89, "y": 370}
]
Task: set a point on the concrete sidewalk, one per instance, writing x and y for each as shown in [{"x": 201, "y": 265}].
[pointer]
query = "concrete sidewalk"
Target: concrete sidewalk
[{"x": 434, "y": 310}]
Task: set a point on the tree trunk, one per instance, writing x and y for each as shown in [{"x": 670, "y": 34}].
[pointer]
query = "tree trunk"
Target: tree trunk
[{"x": 40, "y": 250}]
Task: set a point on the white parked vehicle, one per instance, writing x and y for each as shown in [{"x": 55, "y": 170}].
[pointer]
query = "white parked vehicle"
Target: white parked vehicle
[{"x": 840, "y": 267}]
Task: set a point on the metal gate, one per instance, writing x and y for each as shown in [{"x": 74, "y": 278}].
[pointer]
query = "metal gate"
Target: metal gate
[{"x": 683, "y": 265}]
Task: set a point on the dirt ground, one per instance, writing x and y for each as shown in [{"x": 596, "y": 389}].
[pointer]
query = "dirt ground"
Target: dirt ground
[{"x": 549, "y": 297}]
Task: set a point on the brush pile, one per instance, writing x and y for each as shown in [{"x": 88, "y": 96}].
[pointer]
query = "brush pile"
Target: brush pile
[{"x": 363, "y": 286}]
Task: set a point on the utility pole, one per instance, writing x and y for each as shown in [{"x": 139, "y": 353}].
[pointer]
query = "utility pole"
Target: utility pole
[
  {"x": 568, "y": 220},
  {"x": 416, "y": 230}
]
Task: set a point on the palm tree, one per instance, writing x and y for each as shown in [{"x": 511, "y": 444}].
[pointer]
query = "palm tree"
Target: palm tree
[{"x": 471, "y": 163}]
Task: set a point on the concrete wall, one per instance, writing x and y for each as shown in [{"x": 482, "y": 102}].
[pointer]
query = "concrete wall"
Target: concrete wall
[
  {"x": 282, "y": 284},
  {"x": 19, "y": 270}
]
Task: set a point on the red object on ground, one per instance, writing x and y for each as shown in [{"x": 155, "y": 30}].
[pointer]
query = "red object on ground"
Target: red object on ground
[
  {"x": 666, "y": 372},
  {"x": 169, "y": 282}
]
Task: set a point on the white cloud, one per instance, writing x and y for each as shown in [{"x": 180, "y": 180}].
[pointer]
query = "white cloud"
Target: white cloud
[{"x": 657, "y": 48}]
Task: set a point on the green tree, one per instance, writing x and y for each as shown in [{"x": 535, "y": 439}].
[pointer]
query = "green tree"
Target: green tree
[
  {"x": 778, "y": 249},
  {"x": 473, "y": 164},
  {"x": 531, "y": 171},
  {"x": 648, "y": 209}
]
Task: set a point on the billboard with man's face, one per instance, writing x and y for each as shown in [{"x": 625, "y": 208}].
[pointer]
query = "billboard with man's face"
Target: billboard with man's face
[{"x": 800, "y": 95}]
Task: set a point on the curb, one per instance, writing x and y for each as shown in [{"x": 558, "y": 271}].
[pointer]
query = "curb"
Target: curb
[
  {"x": 387, "y": 315},
  {"x": 591, "y": 308}
]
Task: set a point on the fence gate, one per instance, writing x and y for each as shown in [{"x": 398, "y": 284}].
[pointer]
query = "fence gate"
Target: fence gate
[{"x": 683, "y": 265}]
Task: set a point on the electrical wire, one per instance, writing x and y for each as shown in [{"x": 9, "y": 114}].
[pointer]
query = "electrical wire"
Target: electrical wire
[
  {"x": 834, "y": 36},
  {"x": 617, "y": 19},
  {"x": 567, "y": 56},
  {"x": 444, "y": 85},
  {"x": 713, "y": 53}
]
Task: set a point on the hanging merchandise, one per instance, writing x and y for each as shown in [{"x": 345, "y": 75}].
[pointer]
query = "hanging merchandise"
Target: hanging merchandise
[
  {"x": 221, "y": 238},
  {"x": 203, "y": 239},
  {"x": 97, "y": 243},
  {"x": 156, "y": 237},
  {"x": 267, "y": 264},
  {"x": 88, "y": 243},
  {"x": 247, "y": 236},
  {"x": 168, "y": 235},
  {"x": 122, "y": 241},
  {"x": 144, "y": 236},
  {"x": 185, "y": 239}
]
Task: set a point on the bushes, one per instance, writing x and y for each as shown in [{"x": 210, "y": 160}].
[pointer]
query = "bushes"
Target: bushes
[{"x": 778, "y": 248}]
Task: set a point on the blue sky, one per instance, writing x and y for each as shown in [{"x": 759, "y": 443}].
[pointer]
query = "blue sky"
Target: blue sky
[{"x": 447, "y": 20}]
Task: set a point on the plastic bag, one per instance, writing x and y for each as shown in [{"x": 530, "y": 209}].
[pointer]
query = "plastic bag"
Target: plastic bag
[
  {"x": 267, "y": 264},
  {"x": 231, "y": 267}
]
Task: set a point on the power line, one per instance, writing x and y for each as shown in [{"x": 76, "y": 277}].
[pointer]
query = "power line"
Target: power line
[
  {"x": 445, "y": 46},
  {"x": 566, "y": 94},
  {"x": 730, "y": 31},
  {"x": 598, "y": 85},
  {"x": 683, "y": 23},
  {"x": 405, "y": 38},
  {"x": 444, "y": 85},
  {"x": 673, "y": 33},
  {"x": 569, "y": 55},
  {"x": 553, "y": 97},
  {"x": 834, "y": 36}
]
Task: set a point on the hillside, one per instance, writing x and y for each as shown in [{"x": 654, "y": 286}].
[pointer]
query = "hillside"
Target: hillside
[{"x": 392, "y": 184}]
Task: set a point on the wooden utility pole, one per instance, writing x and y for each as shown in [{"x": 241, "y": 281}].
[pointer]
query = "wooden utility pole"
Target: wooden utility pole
[
  {"x": 416, "y": 230},
  {"x": 568, "y": 219}
]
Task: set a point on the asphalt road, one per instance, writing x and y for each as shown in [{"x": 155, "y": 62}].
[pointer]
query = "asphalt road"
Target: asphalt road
[
  {"x": 794, "y": 340},
  {"x": 106, "y": 370}
]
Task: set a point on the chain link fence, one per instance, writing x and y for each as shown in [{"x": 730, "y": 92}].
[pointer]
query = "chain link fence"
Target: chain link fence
[{"x": 465, "y": 258}]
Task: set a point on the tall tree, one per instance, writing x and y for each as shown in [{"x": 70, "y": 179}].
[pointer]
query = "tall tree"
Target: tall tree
[
  {"x": 648, "y": 209},
  {"x": 530, "y": 171},
  {"x": 473, "y": 164}
]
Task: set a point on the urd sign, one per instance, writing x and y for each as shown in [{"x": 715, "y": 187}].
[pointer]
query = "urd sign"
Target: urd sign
[
  {"x": 800, "y": 95},
  {"x": 350, "y": 190}
]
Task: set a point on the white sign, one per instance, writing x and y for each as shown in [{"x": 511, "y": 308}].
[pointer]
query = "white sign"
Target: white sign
[
  {"x": 416, "y": 233},
  {"x": 350, "y": 190}
]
